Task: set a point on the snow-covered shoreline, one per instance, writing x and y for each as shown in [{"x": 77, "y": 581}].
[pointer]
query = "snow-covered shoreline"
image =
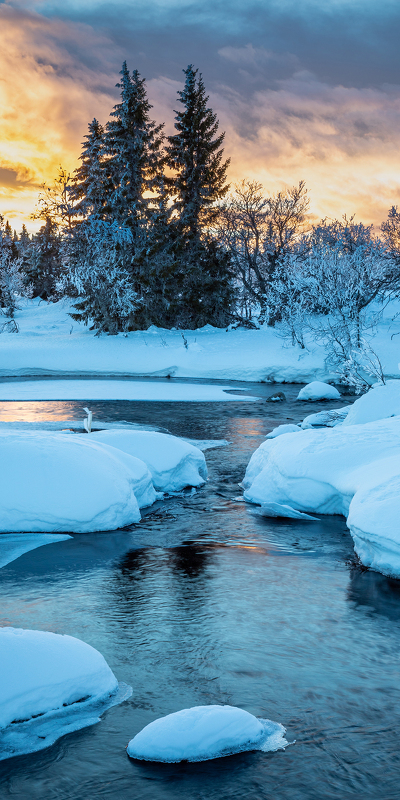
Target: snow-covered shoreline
[
  {"x": 351, "y": 469},
  {"x": 49, "y": 343}
]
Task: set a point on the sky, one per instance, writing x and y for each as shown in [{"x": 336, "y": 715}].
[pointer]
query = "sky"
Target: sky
[{"x": 305, "y": 90}]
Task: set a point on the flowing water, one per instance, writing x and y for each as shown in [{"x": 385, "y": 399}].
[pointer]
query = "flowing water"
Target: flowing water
[{"x": 206, "y": 602}]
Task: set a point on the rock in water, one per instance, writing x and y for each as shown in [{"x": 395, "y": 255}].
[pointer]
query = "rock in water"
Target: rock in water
[
  {"x": 276, "y": 397},
  {"x": 205, "y": 732}
]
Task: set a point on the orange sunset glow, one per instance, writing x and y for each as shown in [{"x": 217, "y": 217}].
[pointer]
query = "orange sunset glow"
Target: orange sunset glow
[{"x": 283, "y": 121}]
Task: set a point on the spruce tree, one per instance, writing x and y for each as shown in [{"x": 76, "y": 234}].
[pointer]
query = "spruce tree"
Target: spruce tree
[
  {"x": 196, "y": 155},
  {"x": 43, "y": 264},
  {"x": 89, "y": 183},
  {"x": 201, "y": 289},
  {"x": 134, "y": 159}
]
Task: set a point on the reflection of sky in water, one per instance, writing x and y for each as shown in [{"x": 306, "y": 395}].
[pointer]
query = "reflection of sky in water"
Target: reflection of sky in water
[
  {"x": 204, "y": 602},
  {"x": 36, "y": 412}
]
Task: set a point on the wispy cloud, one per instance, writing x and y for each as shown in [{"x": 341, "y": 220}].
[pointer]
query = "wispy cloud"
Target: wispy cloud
[{"x": 304, "y": 90}]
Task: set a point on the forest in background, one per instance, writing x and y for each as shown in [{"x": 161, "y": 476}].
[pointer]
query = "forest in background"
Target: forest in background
[{"x": 147, "y": 231}]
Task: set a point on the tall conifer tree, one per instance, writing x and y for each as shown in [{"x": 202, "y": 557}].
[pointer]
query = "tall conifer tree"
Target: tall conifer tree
[
  {"x": 134, "y": 158},
  {"x": 195, "y": 153},
  {"x": 202, "y": 287},
  {"x": 88, "y": 188}
]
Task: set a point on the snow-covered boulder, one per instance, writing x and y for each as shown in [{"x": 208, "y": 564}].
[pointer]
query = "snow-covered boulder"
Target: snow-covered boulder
[
  {"x": 173, "y": 463},
  {"x": 317, "y": 390},
  {"x": 280, "y": 429},
  {"x": 49, "y": 685},
  {"x": 326, "y": 419},
  {"x": 349, "y": 470},
  {"x": 205, "y": 732},
  {"x": 379, "y": 402},
  {"x": 52, "y": 482}
]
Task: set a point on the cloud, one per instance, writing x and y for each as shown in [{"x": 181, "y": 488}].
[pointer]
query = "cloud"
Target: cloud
[
  {"x": 54, "y": 79},
  {"x": 303, "y": 90}
]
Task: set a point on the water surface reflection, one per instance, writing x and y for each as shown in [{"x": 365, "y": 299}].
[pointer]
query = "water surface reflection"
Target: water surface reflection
[{"x": 204, "y": 602}]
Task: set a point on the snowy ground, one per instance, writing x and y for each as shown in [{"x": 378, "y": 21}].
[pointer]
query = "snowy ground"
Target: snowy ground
[
  {"x": 51, "y": 343},
  {"x": 352, "y": 469}
]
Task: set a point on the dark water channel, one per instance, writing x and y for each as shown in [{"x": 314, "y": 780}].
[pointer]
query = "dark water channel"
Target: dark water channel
[{"x": 204, "y": 602}]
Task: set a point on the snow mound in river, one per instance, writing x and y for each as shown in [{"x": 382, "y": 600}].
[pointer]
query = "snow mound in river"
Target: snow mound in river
[
  {"x": 317, "y": 390},
  {"x": 52, "y": 482},
  {"x": 173, "y": 463},
  {"x": 49, "y": 685},
  {"x": 351, "y": 470},
  {"x": 205, "y": 732}
]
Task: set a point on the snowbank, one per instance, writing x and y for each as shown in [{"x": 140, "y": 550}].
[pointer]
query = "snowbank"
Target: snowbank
[
  {"x": 173, "y": 463},
  {"x": 317, "y": 390},
  {"x": 51, "y": 343},
  {"x": 88, "y": 390},
  {"x": 378, "y": 403},
  {"x": 53, "y": 482},
  {"x": 49, "y": 685},
  {"x": 14, "y": 545},
  {"x": 351, "y": 470},
  {"x": 205, "y": 732}
]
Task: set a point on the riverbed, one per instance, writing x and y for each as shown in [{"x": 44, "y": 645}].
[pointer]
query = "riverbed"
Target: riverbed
[{"x": 206, "y": 602}]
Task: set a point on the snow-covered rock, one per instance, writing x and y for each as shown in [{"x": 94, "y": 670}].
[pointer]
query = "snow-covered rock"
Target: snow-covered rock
[
  {"x": 325, "y": 419},
  {"x": 49, "y": 685},
  {"x": 379, "y": 402},
  {"x": 52, "y": 482},
  {"x": 317, "y": 390},
  {"x": 173, "y": 463},
  {"x": 280, "y": 429},
  {"x": 205, "y": 732},
  {"x": 350, "y": 470}
]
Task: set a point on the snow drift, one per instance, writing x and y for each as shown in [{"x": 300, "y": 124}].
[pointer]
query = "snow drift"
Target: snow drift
[
  {"x": 173, "y": 463},
  {"x": 380, "y": 402},
  {"x": 49, "y": 685},
  {"x": 205, "y": 732},
  {"x": 349, "y": 469},
  {"x": 53, "y": 482}
]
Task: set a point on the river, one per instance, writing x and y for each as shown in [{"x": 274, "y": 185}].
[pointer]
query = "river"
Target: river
[{"x": 206, "y": 602}]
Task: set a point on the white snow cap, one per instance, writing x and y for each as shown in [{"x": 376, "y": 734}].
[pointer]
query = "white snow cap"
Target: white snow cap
[
  {"x": 205, "y": 732},
  {"x": 173, "y": 463},
  {"x": 49, "y": 685},
  {"x": 317, "y": 390}
]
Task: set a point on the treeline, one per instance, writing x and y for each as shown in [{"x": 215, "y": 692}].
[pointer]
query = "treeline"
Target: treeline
[{"x": 146, "y": 231}]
